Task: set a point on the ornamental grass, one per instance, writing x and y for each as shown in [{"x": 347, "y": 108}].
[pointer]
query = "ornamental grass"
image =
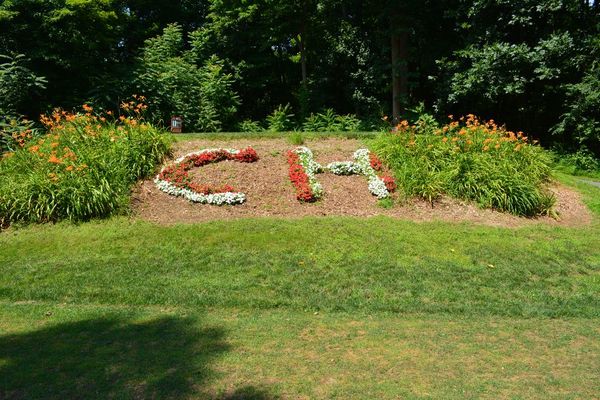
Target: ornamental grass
[
  {"x": 471, "y": 160},
  {"x": 83, "y": 168}
]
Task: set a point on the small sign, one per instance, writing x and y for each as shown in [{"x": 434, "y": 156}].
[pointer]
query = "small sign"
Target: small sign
[{"x": 176, "y": 124}]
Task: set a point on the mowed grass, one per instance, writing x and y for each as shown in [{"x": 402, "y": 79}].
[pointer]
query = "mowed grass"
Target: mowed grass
[
  {"x": 322, "y": 308},
  {"x": 330, "y": 264},
  {"x": 50, "y": 350}
]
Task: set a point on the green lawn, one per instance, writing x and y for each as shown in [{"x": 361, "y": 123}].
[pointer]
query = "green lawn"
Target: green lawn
[{"x": 307, "y": 308}]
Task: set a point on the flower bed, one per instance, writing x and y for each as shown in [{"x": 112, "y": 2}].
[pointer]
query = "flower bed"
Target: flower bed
[
  {"x": 470, "y": 159},
  {"x": 303, "y": 169},
  {"x": 174, "y": 179},
  {"x": 302, "y": 172},
  {"x": 366, "y": 164}
]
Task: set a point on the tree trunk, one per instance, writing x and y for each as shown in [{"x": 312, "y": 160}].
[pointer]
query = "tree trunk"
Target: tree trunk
[
  {"x": 302, "y": 37},
  {"x": 399, "y": 74},
  {"x": 303, "y": 58}
]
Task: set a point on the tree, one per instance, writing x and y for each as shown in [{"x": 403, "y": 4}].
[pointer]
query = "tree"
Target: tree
[
  {"x": 87, "y": 48},
  {"x": 174, "y": 85},
  {"x": 17, "y": 85},
  {"x": 517, "y": 60},
  {"x": 71, "y": 43}
]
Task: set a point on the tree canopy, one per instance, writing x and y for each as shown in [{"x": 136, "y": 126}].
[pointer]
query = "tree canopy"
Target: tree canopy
[{"x": 531, "y": 64}]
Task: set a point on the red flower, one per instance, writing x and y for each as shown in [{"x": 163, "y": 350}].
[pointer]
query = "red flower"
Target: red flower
[
  {"x": 178, "y": 174},
  {"x": 299, "y": 178},
  {"x": 375, "y": 162},
  {"x": 390, "y": 183},
  {"x": 247, "y": 155}
]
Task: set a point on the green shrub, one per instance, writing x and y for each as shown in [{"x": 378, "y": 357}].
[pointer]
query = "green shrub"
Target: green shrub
[
  {"x": 424, "y": 122},
  {"x": 582, "y": 163},
  {"x": 296, "y": 138},
  {"x": 83, "y": 168},
  {"x": 312, "y": 124},
  {"x": 249, "y": 126},
  {"x": 348, "y": 123},
  {"x": 580, "y": 124},
  {"x": 17, "y": 84},
  {"x": 201, "y": 94},
  {"x": 473, "y": 161},
  {"x": 329, "y": 121},
  {"x": 281, "y": 120}
]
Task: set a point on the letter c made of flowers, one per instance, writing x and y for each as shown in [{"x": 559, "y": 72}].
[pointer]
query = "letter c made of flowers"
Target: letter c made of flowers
[{"x": 174, "y": 178}]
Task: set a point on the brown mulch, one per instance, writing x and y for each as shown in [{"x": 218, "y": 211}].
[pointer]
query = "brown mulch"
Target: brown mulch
[{"x": 269, "y": 192}]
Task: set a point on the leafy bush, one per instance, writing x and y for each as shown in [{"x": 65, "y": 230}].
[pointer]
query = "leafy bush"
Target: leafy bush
[
  {"x": 17, "y": 83},
  {"x": 582, "y": 163},
  {"x": 424, "y": 122},
  {"x": 82, "y": 168},
  {"x": 348, "y": 123},
  {"x": 281, "y": 120},
  {"x": 296, "y": 138},
  {"x": 580, "y": 124},
  {"x": 329, "y": 121},
  {"x": 248, "y": 125},
  {"x": 201, "y": 95},
  {"x": 514, "y": 75},
  {"x": 470, "y": 160},
  {"x": 312, "y": 124}
]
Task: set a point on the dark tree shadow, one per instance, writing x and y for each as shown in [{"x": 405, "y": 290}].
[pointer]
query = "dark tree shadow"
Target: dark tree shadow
[
  {"x": 249, "y": 393},
  {"x": 110, "y": 359}
]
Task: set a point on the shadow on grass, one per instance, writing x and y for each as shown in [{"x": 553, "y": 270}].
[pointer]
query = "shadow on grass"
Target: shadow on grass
[
  {"x": 114, "y": 358},
  {"x": 248, "y": 393}
]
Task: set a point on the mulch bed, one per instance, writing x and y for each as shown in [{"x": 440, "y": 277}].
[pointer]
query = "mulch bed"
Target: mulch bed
[{"x": 270, "y": 194}]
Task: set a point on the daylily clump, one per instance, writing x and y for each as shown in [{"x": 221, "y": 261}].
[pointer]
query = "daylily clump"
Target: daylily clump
[
  {"x": 83, "y": 167},
  {"x": 469, "y": 159}
]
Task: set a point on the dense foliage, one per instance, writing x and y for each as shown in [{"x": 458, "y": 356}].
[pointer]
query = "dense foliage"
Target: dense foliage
[
  {"x": 472, "y": 160},
  {"x": 581, "y": 119},
  {"x": 282, "y": 119},
  {"x": 201, "y": 95},
  {"x": 531, "y": 64},
  {"x": 17, "y": 84},
  {"x": 82, "y": 168}
]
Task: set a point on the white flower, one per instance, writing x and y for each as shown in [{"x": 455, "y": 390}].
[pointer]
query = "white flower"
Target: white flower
[
  {"x": 311, "y": 168},
  {"x": 377, "y": 187},
  {"x": 361, "y": 165},
  {"x": 344, "y": 168}
]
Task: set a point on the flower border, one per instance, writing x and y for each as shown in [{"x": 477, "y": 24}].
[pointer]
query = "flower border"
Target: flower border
[
  {"x": 367, "y": 164},
  {"x": 303, "y": 169},
  {"x": 174, "y": 179}
]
